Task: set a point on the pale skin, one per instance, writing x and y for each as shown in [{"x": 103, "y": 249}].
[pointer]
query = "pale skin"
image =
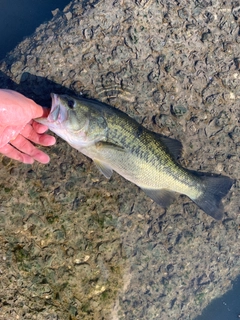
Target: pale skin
[{"x": 18, "y": 129}]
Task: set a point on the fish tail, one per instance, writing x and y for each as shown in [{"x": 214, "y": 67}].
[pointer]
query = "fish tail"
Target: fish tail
[{"x": 214, "y": 189}]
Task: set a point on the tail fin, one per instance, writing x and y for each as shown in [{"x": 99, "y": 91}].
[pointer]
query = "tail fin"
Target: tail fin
[{"x": 216, "y": 187}]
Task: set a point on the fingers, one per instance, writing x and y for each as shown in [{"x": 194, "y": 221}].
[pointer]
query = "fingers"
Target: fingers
[
  {"x": 26, "y": 148},
  {"x": 46, "y": 140},
  {"x": 43, "y": 139},
  {"x": 15, "y": 154},
  {"x": 41, "y": 128},
  {"x": 38, "y": 127},
  {"x": 21, "y": 149},
  {"x": 39, "y": 111}
]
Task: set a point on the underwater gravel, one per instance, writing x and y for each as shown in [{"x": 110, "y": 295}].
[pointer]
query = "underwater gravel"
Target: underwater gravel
[{"x": 76, "y": 246}]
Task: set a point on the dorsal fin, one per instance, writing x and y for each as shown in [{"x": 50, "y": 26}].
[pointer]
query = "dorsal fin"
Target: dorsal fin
[{"x": 174, "y": 146}]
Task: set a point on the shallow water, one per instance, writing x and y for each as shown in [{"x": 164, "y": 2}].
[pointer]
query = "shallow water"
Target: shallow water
[{"x": 19, "y": 21}]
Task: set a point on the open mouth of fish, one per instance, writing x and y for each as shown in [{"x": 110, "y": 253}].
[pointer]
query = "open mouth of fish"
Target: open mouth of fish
[{"x": 58, "y": 112}]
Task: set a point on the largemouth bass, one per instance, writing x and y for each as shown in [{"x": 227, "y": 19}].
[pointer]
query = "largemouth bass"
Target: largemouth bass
[{"x": 115, "y": 141}]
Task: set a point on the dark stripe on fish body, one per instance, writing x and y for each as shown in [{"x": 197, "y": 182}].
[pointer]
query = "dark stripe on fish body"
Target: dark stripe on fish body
[{"x": 139, "y": 131}]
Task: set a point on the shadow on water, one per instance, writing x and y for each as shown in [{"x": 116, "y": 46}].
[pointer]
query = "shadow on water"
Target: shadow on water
[{"x": 35, "y": 87}]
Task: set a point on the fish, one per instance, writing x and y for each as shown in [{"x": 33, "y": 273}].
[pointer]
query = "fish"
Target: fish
[{"x": 117, "y": 142}]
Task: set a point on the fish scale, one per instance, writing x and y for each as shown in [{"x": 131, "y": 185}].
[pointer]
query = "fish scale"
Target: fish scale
[
  {"x": 116, "y": 142},
  {"x": 148, "y": 149}
]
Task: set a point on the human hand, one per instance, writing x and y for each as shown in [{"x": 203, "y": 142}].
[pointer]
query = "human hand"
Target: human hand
[{"x": 17, "y": 128}]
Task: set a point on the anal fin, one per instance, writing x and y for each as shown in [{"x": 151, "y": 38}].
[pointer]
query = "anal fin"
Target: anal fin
[{"x": 163, "y": 197}]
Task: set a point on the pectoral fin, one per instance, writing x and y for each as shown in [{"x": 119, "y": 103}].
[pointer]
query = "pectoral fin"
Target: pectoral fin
[
  {"x": 109, "y": 146},
  {"x": 109, "y": 150},
  {"x": 103, "y": 168},
  {"x": 163, "y": 197}
]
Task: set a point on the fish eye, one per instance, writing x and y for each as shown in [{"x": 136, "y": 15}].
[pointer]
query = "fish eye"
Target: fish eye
[{"x": 70, "y": 104}]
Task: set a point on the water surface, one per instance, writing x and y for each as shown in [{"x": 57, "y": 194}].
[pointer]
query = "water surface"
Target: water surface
[
  {"x": 19, "y": 19},
  {"x": 226, "y": 307}
]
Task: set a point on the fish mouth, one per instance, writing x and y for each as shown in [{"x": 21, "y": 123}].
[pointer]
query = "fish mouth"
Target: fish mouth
[{"x": 58, "y": 112}]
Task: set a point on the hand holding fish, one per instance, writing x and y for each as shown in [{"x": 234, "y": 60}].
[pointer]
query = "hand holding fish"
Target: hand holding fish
[{"x": 18, "y": 129}]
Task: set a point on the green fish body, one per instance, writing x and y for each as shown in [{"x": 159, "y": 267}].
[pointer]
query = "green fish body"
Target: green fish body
[{"x": 116, "y": 142}]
